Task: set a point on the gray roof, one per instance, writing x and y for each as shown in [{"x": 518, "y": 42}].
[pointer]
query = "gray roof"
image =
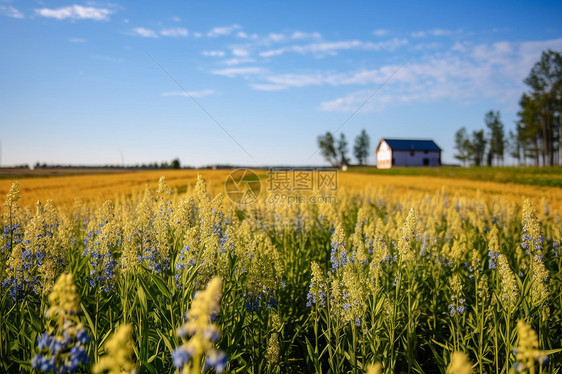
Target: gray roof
[{"x": 411, "y": 145}]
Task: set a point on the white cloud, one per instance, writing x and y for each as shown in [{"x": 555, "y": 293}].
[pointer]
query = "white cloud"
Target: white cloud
[
  {"x": 10, "y": 11},
  {"x": 276, "y": 37},
  {"x": 267, "y": 87},
  {"x": 222, "y": 31},
  {"x": 240, "y": 52},
  {"x": 233, "y": 72},
  {"x": 191, "y": 93},
  {"x": 243, "y": 35},
  {"x": 306, "y": 35},
  {"x": 197, "y": 34},
  {"x": 463, "y": 73},
  {"x": 213, "y": 53},
  {"x": 144, "y": 32},
  {"x": 435, "y": 32},
  {"x": 380, "y": 32},
  {"x": 332, "y": 48},
  {"x": 174, "y": 32},
  {"x": 75, "y": 12},
  {"x": 176, "y": 19},
  {"x": 237, "y": 61},
  {"x": 273, "y": 52}
]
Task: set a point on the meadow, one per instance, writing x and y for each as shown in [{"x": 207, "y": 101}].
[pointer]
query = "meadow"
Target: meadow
[{"x": 401, "y": 274}]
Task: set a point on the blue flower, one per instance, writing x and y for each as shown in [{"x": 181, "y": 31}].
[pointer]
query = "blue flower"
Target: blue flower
[
  {"x": 82, "y": 336},
  {"x": 180, "y": 357},
  {"x": 216, "y": 360}
]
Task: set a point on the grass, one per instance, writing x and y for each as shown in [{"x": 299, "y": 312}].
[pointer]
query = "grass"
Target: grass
[{"x": 551, "y": 177}]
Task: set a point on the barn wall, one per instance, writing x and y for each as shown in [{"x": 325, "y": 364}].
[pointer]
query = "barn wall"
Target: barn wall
[
  {"x": 384, "y": 156},
  {"x": 415, "y": 158}
]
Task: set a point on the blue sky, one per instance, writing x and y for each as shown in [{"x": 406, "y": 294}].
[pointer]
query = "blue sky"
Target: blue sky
[{"x": 84, "y": 82}]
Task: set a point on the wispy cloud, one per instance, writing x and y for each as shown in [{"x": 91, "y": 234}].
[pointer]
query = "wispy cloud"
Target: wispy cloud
[
  {"x": 243, "y": 35},
  {"x": 332, "y": 48},
  {"x": 463, "y": 73},
  {"x": 234, "y": 72},
  {"x": 175, "y": 32},
  {"x": 75, "y": 12},
  {"x": 239, "y": 52},
  {"x": 222, "y": 31},
  {"x": 435, "y": 32},
  {"x": 237, "y": 61},
  {"x": 144, "y": 32},
  {"x": 380, "y": 32},
  {"x": 10, "y": 11},
  {"x": 192, "y": 93},
  {"x": 305, "y": 35},
  {"x": 213, "y": 53}
]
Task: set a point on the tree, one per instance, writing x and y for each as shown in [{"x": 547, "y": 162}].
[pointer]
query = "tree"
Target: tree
[
  {"x": 477, "y": 147},
  {"x": 175, "y": 164},
  {"x": 328, "y": 149},
  {"x": 342, "y": 150},
  {"x": 462, "y": 145},
  {"x": 514, "y": 146},
  {"x": 529, "y": 129},
  {"x": 543, "y": 101},
  {"x": 496, "y": 147},
  {"x": 361, "y": 147}
]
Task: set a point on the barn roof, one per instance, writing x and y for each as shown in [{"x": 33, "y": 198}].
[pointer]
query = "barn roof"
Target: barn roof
[{"x": 411, "y": 145}]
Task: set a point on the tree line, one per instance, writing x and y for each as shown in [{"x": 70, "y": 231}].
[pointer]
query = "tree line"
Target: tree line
[
  {"x": 537, "y": 136},
  {"x": 174, "y": 164},
  {"x": 336, "y": 151}
]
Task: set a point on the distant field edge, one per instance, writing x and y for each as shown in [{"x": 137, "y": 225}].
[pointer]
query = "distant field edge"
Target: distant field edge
[{"x": 533, "y": 176}]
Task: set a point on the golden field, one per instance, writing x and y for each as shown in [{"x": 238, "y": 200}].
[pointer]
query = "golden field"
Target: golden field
[{"x": 64, "y": 190}]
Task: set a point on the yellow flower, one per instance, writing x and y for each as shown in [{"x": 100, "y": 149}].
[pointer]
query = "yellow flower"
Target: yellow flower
[
  {"x": 405, "y": 244},
  {"x": 187, "y": 357},
  {"x": 527, "y": 351},
  {"x": 64, "y": 299},
  {"x": 374, "y": 368},
  {"x": 119, "y": 352},
  {"x": 460, "y": 364}
]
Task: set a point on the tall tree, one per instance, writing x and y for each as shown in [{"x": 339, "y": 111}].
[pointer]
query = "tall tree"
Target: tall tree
[
  {"x": 328, "y": 149},
  {"x": 514, "y": 146},
  {"x": 477, "y": 147},
  {"x": 496, "y": 146},
  {"x": 462, "y": 145},
  {"x": 342, "y": 150},
  {"x": 529, "y": 130},
  {"x": 361, "y": 147},
  {"x": 545, "y": 92}
]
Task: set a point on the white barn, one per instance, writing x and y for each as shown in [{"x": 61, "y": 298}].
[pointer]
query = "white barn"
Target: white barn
[{"x": 407, "y": 152}]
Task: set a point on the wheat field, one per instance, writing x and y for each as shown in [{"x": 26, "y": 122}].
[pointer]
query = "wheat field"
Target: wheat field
[{"x": 133, "y": 272}]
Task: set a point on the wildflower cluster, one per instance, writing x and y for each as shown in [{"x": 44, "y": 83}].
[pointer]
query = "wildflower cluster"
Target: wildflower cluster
[
  {"x": 63, "y": 347},
  {"x": 104, "y": 237},
  {"x": 527, "y": 352},
  {"x": 199, "y": 332},
  {"x": 119, "y": 352},
  {"x": 36, "y": 260}
]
